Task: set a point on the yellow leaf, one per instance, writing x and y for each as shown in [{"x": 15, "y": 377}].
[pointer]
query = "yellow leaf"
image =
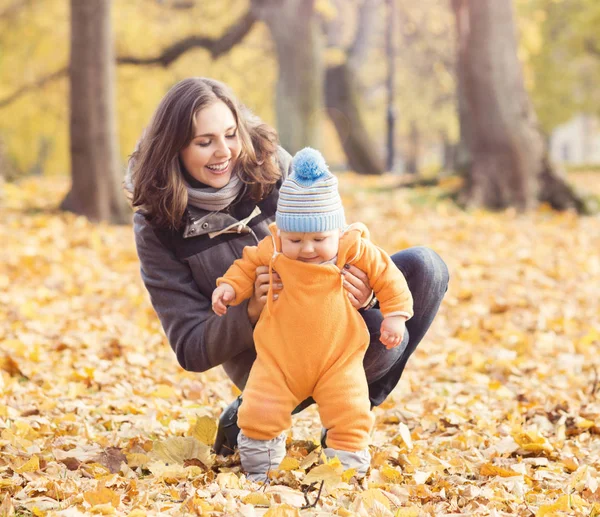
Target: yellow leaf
[
  {"x": 531, "y": 441},
  {"x": 257, "y": 499},
  {"x": 227, "y": 480},
  {"x": 348, "y": 474},
  {"x": 565, "y": 503},
  {"x": 371, "y": 495},
  {"x": 103, "y": 509},
  {"x": 487, "y": 469},
  {"x": 137, "y": 513},
  {"x": 30, "y": 465},
  {"x": 102, "y": 496},
  {"x": 330, "y": 474},
  {"x": 204, "y": 430},
  {"x": 164, "y": 391},
  {"x": 137, "y": 459},
  {"x": 410, "y": 511},
  {"x": 284, "y": 510},
  {"x": 391, "y": 474},
  {"x": 177, "y": 449},
  {"x": 289, "y": 463}
]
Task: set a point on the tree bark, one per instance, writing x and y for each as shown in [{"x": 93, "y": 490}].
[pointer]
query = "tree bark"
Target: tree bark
[
  {"x": 342, "y": 96},
  {"x": 414, "y": 147},
  {"x": 342, "y": 106},
  {"x": 462, "y": 158},
  {"x": 299, "y": 47},
  {"x": 95, "y": 170},
  {"x": 510, "y": 166}
]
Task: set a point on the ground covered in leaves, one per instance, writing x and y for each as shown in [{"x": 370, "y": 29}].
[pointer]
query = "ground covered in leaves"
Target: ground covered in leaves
[{"x": 497, "y": 414}]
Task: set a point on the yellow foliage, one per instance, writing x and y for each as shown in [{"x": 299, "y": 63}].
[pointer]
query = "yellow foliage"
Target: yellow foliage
[{"x": 204, "y": 430}]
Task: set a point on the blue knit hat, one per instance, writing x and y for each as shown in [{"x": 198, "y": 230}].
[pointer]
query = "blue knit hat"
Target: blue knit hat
[{"x": 308, "y": 199}]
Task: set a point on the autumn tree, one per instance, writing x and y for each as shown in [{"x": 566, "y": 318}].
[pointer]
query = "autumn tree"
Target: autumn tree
[
  {"x": 95, "y": 169},
  {"x": 510, "y": 165}
]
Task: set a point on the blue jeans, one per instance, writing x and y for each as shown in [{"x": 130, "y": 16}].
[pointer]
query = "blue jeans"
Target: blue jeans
[{"x": 427, "y": 277}]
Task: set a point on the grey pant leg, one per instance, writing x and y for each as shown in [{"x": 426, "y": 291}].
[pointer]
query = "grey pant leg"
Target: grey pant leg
[
  {"x": 359, "y": 460},
  {"x": 258, "y": 457}
]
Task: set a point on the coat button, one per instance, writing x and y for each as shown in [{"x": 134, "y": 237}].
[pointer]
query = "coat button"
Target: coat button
[{"x": 204, "y": 226}]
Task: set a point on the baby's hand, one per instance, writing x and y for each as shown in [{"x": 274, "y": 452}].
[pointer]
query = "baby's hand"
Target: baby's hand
[
  {"x": 392, "y": 331},
  {"x": 221, "y": 297}
]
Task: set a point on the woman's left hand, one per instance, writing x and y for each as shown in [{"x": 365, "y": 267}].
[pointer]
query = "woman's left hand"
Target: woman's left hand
[{"x": 357, "y": 286}]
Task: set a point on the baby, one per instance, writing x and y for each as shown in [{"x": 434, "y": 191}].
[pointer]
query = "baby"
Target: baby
[{"x": 311, "y": 341}]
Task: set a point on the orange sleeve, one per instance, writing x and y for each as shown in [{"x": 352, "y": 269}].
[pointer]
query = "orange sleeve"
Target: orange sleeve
[
  {"x": 242, "y": 273},
  {"x": 386, "y": 280}
]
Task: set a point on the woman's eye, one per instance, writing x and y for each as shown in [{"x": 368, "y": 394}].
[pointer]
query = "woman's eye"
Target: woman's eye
[
  {"x": 203, "y": 144},
  {"x": 232, "y": 136}
]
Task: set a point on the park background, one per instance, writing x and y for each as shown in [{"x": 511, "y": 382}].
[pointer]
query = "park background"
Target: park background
[{"x": 497, "y": 413}]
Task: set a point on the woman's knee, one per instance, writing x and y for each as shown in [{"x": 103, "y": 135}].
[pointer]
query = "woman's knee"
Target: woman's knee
[{"x": 422, "y": 262}]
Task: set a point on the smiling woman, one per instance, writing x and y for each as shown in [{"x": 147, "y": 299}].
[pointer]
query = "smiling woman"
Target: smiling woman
[
  {"x": 205, "y": 182},
  {"x": 212, "y": 154}
]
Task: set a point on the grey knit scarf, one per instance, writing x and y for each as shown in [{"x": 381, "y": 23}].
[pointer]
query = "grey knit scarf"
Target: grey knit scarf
[{"x": 215, "y": 199}]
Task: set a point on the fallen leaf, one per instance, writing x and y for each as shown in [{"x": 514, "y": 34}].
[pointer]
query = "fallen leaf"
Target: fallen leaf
[
  {"x": 283, "y": 510},
  {"x": 102, "y": 495},
  {"x": 204, "y": 430},
  {"x": 177, "y": 449}
]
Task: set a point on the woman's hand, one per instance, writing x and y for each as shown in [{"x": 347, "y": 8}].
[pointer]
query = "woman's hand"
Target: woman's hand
[
  {"x": 261, "y": 290},
  {"x": 357, "y": 285}
]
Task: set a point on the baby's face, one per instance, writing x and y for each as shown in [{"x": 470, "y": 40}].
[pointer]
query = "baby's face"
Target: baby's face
[{"x": 313, "y": 247}]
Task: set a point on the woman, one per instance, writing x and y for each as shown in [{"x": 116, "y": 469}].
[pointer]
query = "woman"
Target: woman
[{"x": 205, "y": 180}]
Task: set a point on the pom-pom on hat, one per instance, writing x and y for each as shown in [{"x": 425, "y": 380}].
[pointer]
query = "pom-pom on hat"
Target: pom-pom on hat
[{"x": 308, "y": 199}]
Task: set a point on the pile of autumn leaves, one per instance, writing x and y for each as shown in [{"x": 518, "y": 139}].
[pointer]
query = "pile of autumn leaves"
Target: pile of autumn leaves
[{"x": 497, "y": 414}]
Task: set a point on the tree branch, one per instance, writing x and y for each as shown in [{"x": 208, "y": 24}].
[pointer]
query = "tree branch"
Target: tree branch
[
  {"x": 216, "y": 47},
  {"x": 33, "y": 86},
  {"x": 592, "y": 47}
]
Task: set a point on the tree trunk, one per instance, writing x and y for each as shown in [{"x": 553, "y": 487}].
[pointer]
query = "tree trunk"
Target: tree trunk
[
  {"x": 342, "y": 106},
  {"x": 462, "y": 155},
  {"x": 299, "y": 46},
  {"x": 509, "y": 154},
  {"x": 414, "y": 144},
  {"x": 390, "y": 50},
  {"x": 95, "y": 170},
  {"x": 342, "y": 96}
]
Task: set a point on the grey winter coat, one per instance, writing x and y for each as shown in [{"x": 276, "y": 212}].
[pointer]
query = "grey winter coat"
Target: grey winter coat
[{"x": 180, "y": 270}]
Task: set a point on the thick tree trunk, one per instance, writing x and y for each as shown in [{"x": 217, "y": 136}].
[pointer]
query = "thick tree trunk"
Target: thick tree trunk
[
  {"x": 342, "y": 96},
  {"x": 95, "y": 191},
  {"x": 342, "y": 105},
  {"x": 299, "y": 45},
  {"x": 462, "y": 161},
  {"x": 509, "y": 156}
]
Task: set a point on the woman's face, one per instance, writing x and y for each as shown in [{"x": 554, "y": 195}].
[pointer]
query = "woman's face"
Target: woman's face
[{"x": 215, "y": 147}]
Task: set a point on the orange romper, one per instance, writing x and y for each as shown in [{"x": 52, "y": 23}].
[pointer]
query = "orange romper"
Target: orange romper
[{"x": 312, "y": 341}]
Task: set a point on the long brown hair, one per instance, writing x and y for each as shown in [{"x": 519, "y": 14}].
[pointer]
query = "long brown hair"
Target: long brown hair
[{"x": 156, "y": 169}]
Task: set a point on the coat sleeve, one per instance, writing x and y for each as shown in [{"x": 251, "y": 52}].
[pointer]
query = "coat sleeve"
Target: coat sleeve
[
  {"x": 241, "y": 275},
  {"x": 386, "y": 280},
  {"x": 199, "y": 338}
]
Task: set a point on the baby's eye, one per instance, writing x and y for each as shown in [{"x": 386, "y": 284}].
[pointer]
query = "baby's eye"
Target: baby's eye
[
  {"x": 320, "y": 239},
  {"x": 295, "y": 241}
]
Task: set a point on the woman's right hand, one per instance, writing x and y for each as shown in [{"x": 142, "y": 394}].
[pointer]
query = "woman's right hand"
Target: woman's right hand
[{"x": 261, "y": 290}]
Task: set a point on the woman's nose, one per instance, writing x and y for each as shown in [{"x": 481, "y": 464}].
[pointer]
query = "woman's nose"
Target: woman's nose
[{"x": 222, "y": 148}]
